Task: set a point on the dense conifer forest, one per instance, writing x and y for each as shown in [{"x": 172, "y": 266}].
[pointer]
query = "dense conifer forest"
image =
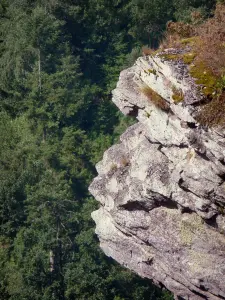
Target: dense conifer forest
[{"x": 59, "y": 61}]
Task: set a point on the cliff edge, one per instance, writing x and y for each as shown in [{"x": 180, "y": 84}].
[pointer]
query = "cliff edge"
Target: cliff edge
[{"x": 162, "y": 188}]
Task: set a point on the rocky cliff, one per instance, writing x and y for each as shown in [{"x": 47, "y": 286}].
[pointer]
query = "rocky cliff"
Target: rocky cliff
[{"x": 162, "y": 188}]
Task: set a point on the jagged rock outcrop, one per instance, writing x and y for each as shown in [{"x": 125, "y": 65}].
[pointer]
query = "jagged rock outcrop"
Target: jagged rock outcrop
[{"x": 162, "y": 188}]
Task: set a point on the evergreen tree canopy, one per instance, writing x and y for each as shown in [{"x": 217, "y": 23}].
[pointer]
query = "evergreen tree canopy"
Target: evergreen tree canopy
[{"x": 59, "y": 61}]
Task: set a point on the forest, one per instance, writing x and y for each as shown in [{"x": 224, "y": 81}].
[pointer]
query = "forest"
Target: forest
[{"x": 59, "y": 61}]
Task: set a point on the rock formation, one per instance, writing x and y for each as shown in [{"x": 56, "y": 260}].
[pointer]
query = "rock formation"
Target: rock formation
[{"x": 162, "y": 188}]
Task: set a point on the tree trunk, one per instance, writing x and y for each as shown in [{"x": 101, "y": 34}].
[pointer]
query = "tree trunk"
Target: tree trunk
[
  {"x": 51, "y": 260},
  {"x": 39, "y": 70}
]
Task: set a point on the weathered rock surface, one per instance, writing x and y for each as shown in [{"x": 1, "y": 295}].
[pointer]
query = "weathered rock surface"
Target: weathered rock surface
[{"x": 162, "y": 188}]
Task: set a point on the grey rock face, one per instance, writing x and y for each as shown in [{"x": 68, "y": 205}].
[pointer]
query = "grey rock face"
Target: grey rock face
[{"x": 162, "y": 188}]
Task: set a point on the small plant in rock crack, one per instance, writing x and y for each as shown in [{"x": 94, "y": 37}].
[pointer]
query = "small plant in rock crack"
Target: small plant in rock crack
[
  {"x": 155, "y": 98},
  {"x": 147, "y": 51},
  {"x": 178, "y": 95},
  {"x": 124, "y": 161},
  {"x": 190, "y": 154},
  {"x": 113, "y": 167}
]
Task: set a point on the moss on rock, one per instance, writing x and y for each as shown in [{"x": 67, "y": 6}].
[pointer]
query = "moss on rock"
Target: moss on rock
[
  {"x": 169, "y": 56},
  {"x": 152, "y": 71},
  {"x": 190, "y": 41},
  {"x": 204, "y": 77},
  {"x": 188, "y": 58}
]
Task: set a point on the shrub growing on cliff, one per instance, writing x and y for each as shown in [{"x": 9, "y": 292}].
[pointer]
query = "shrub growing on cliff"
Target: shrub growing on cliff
[
  {"x": 211, "y": 49},
  {"x": 180, "y": 28},
  {"x": 211, "y": 54},
  {"x": 147, "y": 51},
  {"x": 212, "y": 113}
]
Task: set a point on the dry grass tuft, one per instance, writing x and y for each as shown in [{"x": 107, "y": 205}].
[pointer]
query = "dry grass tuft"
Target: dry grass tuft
[
  {"x": 148, "y": 51},
  {"x": 124, "y": 161},
  {"x": 155, "y": 98},
  {"x": 175, "y": 32},
  {"x": 178, "y": 95},
  {"x": 212, "y": 113},
  {"x": 170, "y": 41},
  {"x": 212, "y": 47},
  {"x": 113, "y": 167}
]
